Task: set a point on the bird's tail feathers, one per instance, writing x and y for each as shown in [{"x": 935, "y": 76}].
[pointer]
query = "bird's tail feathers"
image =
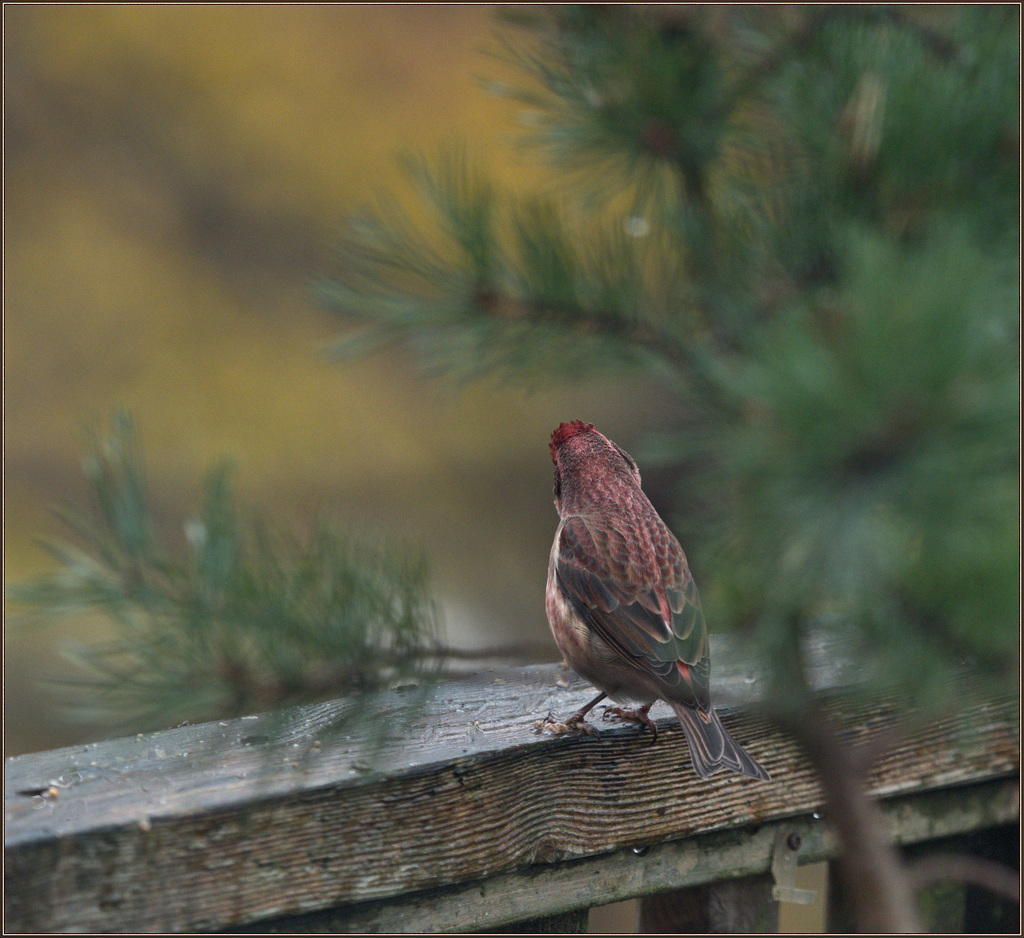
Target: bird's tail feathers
[{"x": 711, "y": 746}]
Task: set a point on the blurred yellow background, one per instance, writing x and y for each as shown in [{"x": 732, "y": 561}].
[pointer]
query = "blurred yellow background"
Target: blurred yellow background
[{"x": 174, "y": 178}]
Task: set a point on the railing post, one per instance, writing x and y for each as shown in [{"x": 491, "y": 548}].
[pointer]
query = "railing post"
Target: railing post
[{"x": 741, "y": 905}]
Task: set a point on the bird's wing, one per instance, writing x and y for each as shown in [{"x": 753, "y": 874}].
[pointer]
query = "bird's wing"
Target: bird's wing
[{"x": 659, "y": 629}]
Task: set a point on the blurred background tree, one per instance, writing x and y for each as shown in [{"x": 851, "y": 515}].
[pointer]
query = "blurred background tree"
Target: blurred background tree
[{"x": 805, "y": 222}]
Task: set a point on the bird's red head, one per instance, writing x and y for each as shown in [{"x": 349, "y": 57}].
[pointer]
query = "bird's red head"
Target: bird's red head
[
  {"x": 566, "y": 431},
  {"x": 590, "y": 469}
]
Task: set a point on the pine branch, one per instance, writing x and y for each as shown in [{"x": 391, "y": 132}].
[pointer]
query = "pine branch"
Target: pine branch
[
  {"x": 868, "y": 862},
  {"x": 244, "y": 619},
  {"x": 941, "y": 46},
  {"x": 817, "y": 19},
  {"x": 589, "y": 321}
]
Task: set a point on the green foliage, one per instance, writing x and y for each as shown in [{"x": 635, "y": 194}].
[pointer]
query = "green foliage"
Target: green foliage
[
  {"x": 531, "y": 275},
  {"x": 620, "y": 95},
  {"x": 240, "y": 619},
  {"x": 875, "y": 467},
  {"x": 807, "y": 220}
]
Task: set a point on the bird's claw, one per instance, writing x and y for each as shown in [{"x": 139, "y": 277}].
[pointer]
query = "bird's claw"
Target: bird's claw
[{"x": 633, "y": 716}]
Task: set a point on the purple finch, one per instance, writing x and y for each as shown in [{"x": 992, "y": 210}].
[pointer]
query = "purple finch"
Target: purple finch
[{"x": 621, "y": 602}]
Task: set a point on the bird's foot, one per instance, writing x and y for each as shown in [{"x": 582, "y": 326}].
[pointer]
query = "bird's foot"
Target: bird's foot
[
  {"x": 577, "y": 723},
  {"x": 639, "y": 715}
]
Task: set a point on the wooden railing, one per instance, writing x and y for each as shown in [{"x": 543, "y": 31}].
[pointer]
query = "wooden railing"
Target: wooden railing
[{"x": 462, "y": 818}]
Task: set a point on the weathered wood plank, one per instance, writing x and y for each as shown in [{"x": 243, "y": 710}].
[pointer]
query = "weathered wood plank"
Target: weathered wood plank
[
  {"x": 202, "y": 768},
  {"x": 636, "y": 872},
  {"x": 253, "y": 819}
]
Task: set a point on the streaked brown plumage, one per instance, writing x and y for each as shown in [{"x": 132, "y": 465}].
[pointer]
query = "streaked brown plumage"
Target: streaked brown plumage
[{"x": 621, "y": 602}]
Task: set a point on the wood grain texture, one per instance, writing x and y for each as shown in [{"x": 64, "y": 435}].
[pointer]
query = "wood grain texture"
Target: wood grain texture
[
  {"x": 223, "y": 824},
  {"x": 632, "y": 872}
]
